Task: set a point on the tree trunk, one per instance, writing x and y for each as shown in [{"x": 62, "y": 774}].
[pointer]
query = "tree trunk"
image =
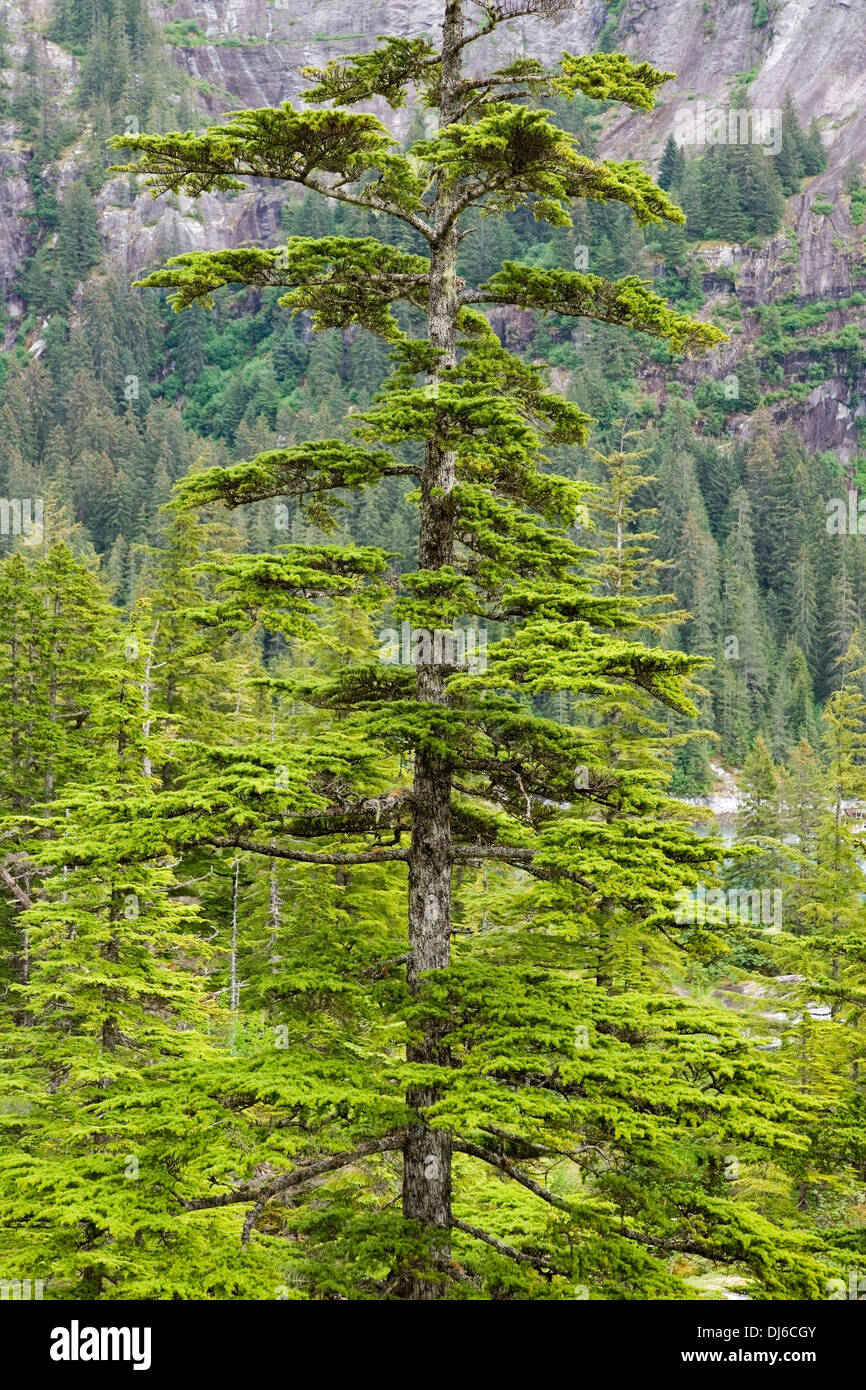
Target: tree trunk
[{"x": 427, "y": 1152}]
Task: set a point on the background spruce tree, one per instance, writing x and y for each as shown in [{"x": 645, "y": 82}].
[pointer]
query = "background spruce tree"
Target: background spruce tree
[{"x": 671, "y": 165}]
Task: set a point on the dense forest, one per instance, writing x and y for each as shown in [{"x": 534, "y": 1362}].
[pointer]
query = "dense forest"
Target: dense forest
[{"x": 380, "y": 604}]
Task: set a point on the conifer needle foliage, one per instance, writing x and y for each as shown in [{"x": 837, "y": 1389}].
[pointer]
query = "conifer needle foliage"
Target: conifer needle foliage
[{"x": 442, "y": 1064}]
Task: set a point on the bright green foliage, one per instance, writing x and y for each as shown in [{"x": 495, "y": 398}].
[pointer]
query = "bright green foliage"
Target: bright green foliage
[
  {"x": 622, "y": 302},
  {"x": 271, "y": 1053}
]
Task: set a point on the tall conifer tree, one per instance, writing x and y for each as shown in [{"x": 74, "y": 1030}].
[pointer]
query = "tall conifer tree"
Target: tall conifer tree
[{"x": 490, "y": 1080}]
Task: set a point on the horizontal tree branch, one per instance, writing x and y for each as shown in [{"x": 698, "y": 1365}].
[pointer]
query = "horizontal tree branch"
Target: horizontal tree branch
[
  {"x": 330, "y": 1163},
  {"x": 379, "y": 969},
  {"x": 539, "y": 1150},
  {"x": 678, "y": 1245},
  {"x": 251, "y": 1218},
  {"x": 524, "y": 858},
  {"x": 510, "y": 854},
  {"x": 509, "y": 1168},
  {"x": 306, "y": 487},
  {"x": 301, "y": 856},
  {"x": 336, "y": 190},
  {"x": 372, "y": 814},
  {"x": 504, "y": 1249},
  {"x": 681, "y": 1245},
  {"x": 15, "y": 887}
]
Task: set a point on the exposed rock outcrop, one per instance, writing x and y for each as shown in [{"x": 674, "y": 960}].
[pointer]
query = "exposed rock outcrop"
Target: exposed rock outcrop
[{"x": 248, "y": 53}]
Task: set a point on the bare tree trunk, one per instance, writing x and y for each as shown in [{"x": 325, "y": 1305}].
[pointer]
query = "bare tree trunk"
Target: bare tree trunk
[
  {"x": 275, "y": 906},
  {"x": 234, "y": 987},
  {"x": 427, "y": 1152},
  {"x": 52, "y": 705},
  {"x": 147, "y": 691}
]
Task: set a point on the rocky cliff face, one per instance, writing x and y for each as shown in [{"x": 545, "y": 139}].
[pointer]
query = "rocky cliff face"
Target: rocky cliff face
[
  {"x": 248, "y": 52},
  {"x": 252, "y": 49}
]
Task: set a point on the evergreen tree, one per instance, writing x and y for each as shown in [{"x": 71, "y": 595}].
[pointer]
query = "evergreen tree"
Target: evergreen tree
[
  {"x": 793, "y": 713},
  {"x": 671, "y": 166},
  {"x": 745, "y": 668},
  {"x": 691, "y": 196},
  {"x": 728, "y": 218},
  {"x": 103, "y": 1001},
  {"x": 814, "y": 158},
  {"x": 790, "y": 159},
  {"x": 760, "y": 814},
  {"x": 761, "y": 193},
  {"x": 78, "y": 244},
  {"x": 190, "y": 345},
  {"x": 799, "y": 604},
  {"x": 748, "y": 384},
  {"x": 490, "y": 1075}
]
